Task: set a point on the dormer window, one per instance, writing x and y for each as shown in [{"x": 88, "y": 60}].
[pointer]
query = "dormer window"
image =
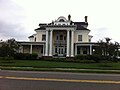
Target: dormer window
[{"x": 61, "y": 20}]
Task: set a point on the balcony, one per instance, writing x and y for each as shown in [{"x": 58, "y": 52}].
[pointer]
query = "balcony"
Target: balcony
[{"x": 60, "y": 42}]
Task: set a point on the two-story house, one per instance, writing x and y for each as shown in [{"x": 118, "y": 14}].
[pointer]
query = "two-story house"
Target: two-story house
[{"x": 62, "y": 37}]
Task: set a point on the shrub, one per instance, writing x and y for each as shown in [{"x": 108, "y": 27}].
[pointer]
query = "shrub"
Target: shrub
[
  {"x": 80, "y": 57},
  {"x": 56, "y": 59},
  {"x": 96, "y": 58},
  {"x": 25, "y": 56},
  {"x": 6, "y": 58},
  {"x": 33, "y": 56}
]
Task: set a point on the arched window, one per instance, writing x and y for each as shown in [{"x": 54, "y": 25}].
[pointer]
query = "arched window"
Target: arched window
[{"x": 61, "y": 20}]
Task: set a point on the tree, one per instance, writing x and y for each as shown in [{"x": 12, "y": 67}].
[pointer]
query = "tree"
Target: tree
[
  {"x": 107, "y": 48},
  {"x": 9, "y": 48},
  {"x": 107, "y": 45},
  {"x": 117, "y": 49},
  {"x": 107, "y": 40}
]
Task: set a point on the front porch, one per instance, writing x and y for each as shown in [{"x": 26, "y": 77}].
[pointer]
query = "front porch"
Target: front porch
[
  {"x": 85, "y": 48},
  {"x": 56, "y": 36},
  {"x": 32, "y": 47},
  {"x": 59, "y": 49}
]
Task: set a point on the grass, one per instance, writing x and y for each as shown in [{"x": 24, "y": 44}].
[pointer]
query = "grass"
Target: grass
[{"x": 49, "y": 64}]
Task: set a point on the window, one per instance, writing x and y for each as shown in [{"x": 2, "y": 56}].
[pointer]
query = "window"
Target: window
[
  {"x": 56, "y": 37},
  {"x": 43, "y": 37},
  {"x": 61, "y": 20},
  {"x": 64, "y": 37},
  {"x": 79, "y": 37},
  {"x": 55, "y": 49},
  {"x": 61, "y": 37}
]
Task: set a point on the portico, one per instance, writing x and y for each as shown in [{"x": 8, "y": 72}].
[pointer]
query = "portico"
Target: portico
[{"x": 60, "y": 40}]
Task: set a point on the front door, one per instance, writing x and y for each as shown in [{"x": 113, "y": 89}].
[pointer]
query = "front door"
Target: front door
[{"x": 60, "y": 51}]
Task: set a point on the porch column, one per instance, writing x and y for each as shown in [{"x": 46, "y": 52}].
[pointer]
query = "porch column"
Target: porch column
[
  {"x": 31, "y": 49},
  {"x": 72, "y": 43},
  {"x": 51, "y": 35},
  {"x": 68, "y": 42},
  {"x": 21, "y": 49},
  {"x": 46, "y": 49},
  {"x": 90, "y": 49}
]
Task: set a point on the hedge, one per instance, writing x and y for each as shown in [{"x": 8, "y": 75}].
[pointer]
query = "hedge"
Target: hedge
[
  {"x": 25, "y": 56},
  {"x": 96, "y": 58}
]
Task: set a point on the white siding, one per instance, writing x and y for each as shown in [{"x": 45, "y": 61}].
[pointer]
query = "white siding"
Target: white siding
[
  {"x": 39, "y": 36},
  {"x": 84, "y": 34}
]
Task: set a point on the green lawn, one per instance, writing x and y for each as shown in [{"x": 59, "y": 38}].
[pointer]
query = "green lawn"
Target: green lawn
[{"x": 49, "y": 64}]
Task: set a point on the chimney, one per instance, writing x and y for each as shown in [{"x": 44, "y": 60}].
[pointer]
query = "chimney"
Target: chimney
[
  {"x": 86, "y": 18},
  {"x": 69, "y": 17}
]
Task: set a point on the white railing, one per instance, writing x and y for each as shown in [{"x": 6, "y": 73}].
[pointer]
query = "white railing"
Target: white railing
[{"x": 60, "y": 42}]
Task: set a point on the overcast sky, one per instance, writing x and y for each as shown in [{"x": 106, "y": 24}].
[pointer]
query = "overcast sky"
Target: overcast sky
[{"x": 19, "y": 18}]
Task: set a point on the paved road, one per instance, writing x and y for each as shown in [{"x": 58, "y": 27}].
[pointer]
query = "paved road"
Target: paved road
[{"x": 29, "y": 80}]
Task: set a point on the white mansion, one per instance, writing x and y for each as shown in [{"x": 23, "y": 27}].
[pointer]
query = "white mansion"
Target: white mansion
[{"x": 62, "y": 37}]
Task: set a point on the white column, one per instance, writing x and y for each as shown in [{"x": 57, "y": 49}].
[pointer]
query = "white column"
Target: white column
[
  {"x": 51, "y": 34},
  {"x": 46, "y": 49},
  {"x": 90, "y": 49},
  {"x": 68, "y": 42},
  {"x": 72, "y": 44},
  {"x": 31, "y": 49},
  {"x": 21, "y": 49}
]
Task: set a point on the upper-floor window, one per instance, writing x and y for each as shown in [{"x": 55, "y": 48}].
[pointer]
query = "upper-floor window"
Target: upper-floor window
[
  {"x": 61, "y": 37},
  {"x": 61, "y": 20},
  {"x": 43, "y": 37},
  {"x": 79, "y": 37},
  {"x": 64, "y": 37},
  {"x": 57, "y": 38}
]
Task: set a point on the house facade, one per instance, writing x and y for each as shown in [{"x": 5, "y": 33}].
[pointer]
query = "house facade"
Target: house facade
[{"x": 60, "y": 38}]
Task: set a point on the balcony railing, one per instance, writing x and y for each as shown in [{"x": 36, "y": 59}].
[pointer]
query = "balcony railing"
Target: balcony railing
[{"x": 60, "y": 42}]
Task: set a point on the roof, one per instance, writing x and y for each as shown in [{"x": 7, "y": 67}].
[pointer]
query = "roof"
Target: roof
[
  {"x": 42, "y": 24},
  {"x": 60, "y": 26},
  {"x": 31, "y": 36},
  {"x": 81, "y": 23},
  {"x": 78, "y": 25},
  {"x": 41, "y": 28}
]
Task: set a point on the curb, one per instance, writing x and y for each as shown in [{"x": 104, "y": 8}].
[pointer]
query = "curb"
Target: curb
[{"x": 62, "y": 70}]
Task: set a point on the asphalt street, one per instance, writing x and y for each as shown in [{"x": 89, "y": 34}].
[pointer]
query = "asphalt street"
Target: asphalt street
[{"x": 32, "y": 80}]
